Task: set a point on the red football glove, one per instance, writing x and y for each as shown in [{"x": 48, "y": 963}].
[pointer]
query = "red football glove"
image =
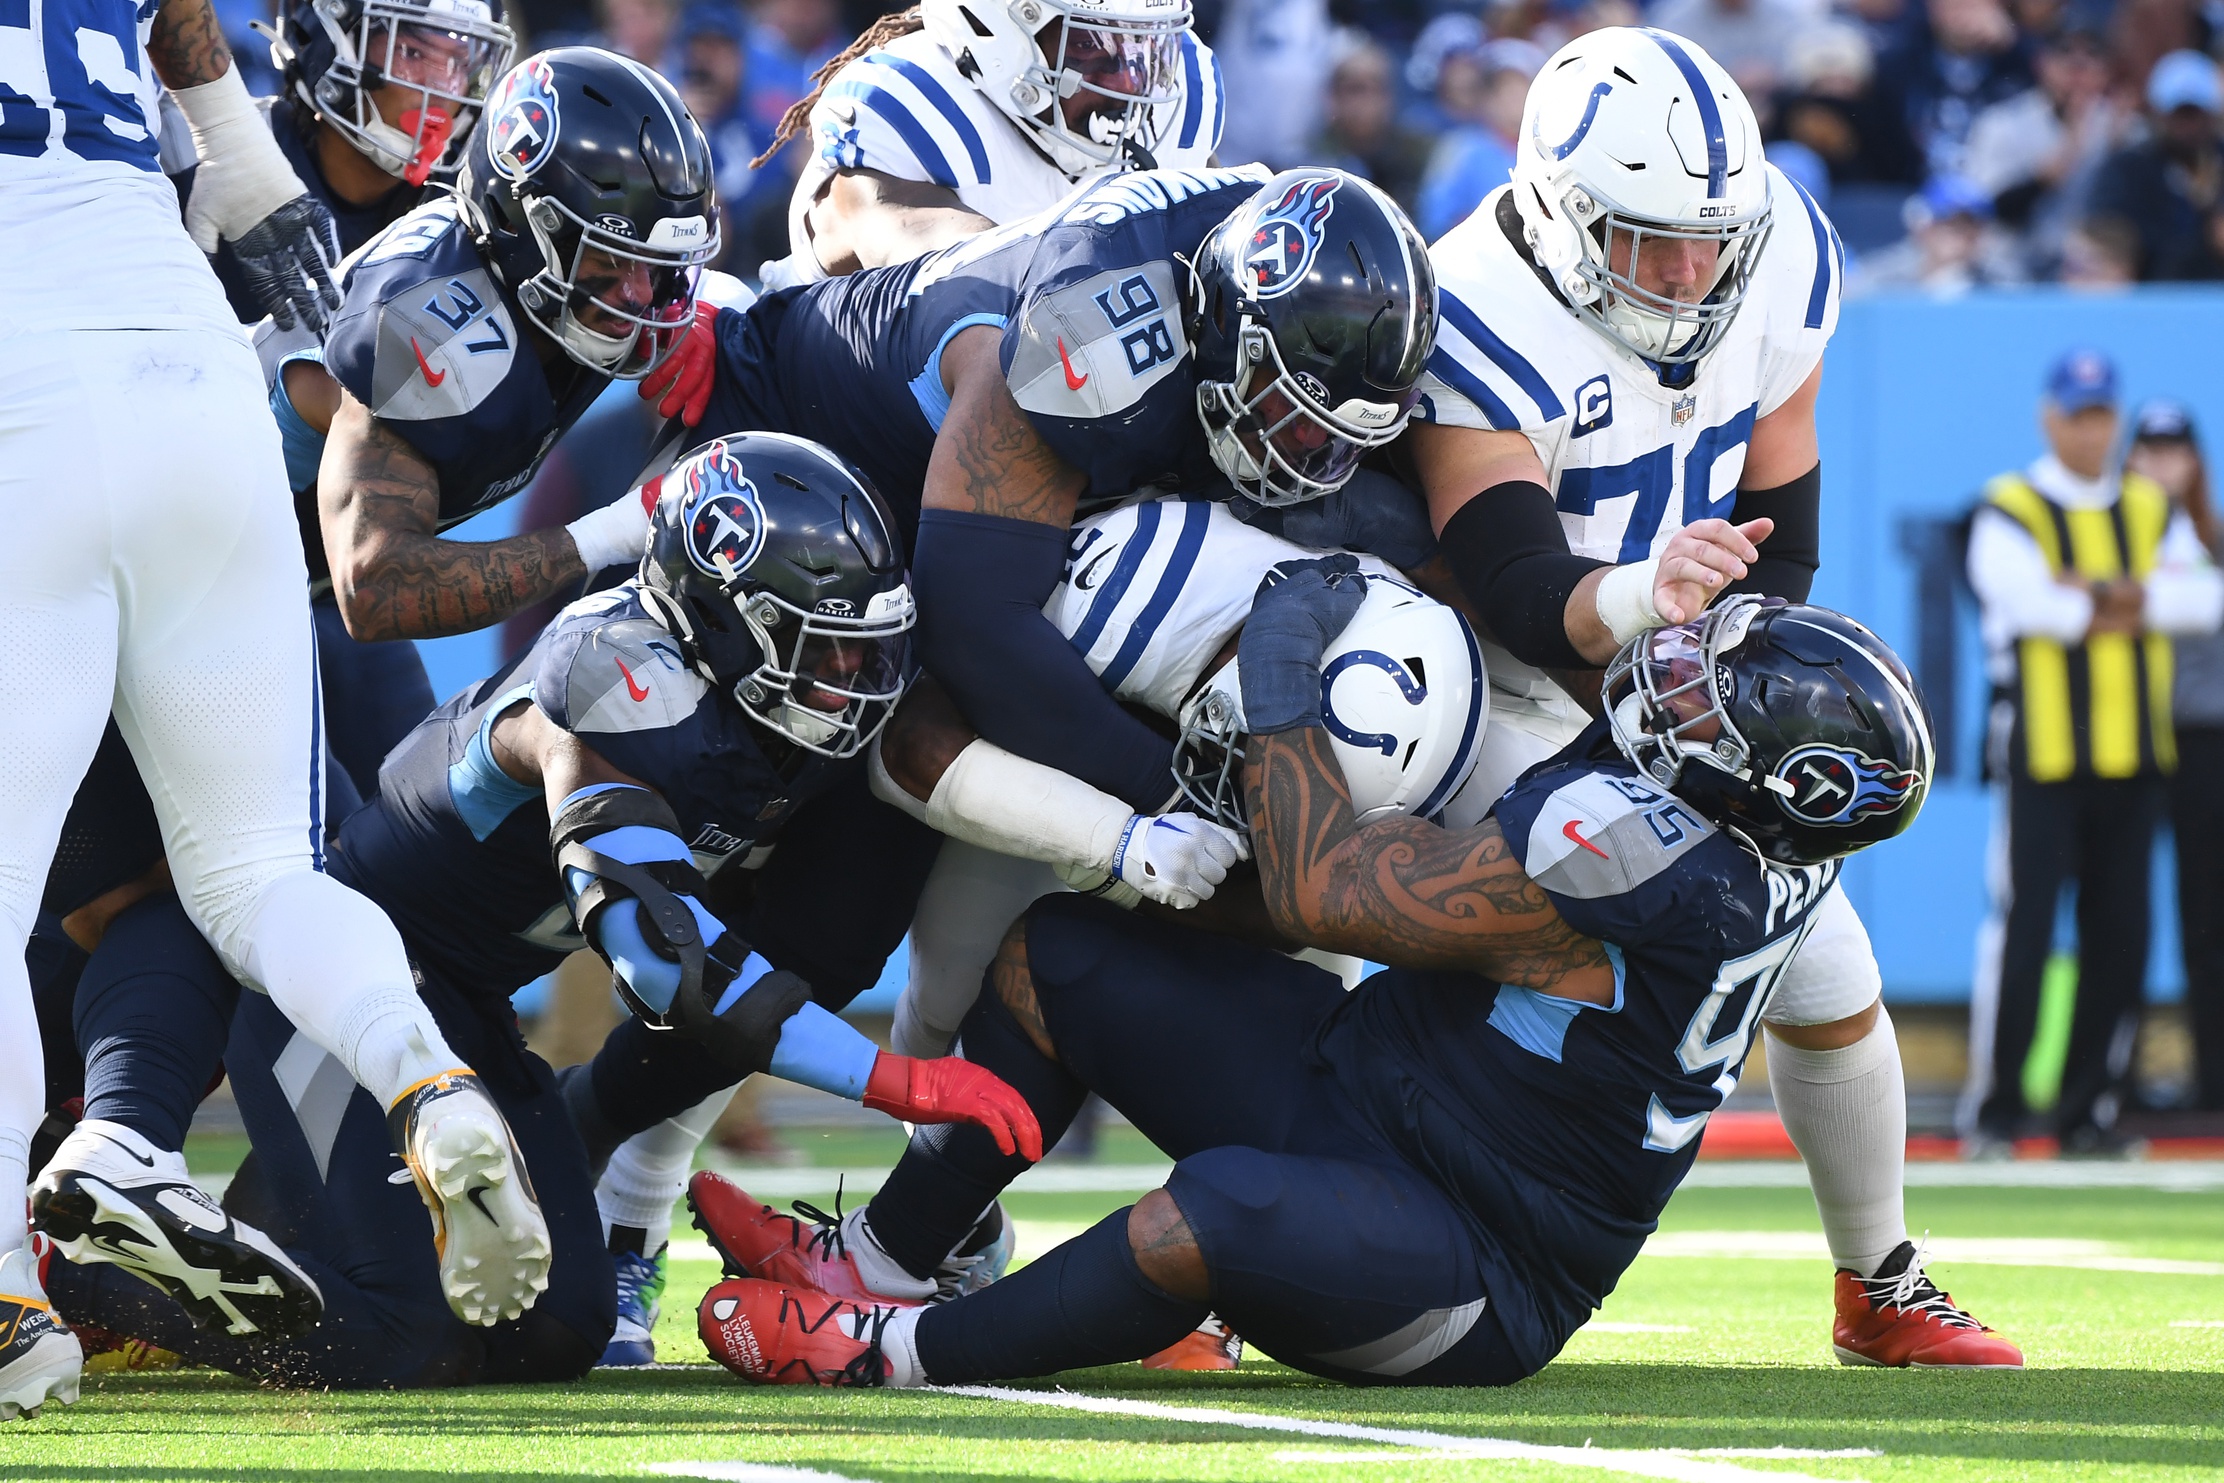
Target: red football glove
[
  {"x": 681, "y": 386},
  {"x": 948, "y": 1090}
]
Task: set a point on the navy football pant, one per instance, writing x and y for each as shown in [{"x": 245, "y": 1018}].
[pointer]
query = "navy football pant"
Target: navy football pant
[
  {"x": 318, "y": 1182},
  {"x": 374, "y": 694},
  {"x": 1327, "y": 1248}
]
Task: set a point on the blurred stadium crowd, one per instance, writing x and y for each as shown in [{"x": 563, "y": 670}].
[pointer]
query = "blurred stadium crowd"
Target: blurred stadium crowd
[{"x": 1956, "y": 143}]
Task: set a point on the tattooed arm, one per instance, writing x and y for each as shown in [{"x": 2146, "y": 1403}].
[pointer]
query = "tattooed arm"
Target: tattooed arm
[
  {"x": 989, "y": 460},
  {"x": 1402, "y": 891},
  {"x": 187, "y": 46},
  {"x": 394, "y": 577}
]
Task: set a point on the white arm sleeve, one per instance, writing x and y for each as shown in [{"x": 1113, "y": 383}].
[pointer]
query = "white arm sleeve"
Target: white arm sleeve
[
  {"x": 2185, "y": 594},
  {"x": 1002, "y": 802},
  {"x": 2019, "y": 593}
]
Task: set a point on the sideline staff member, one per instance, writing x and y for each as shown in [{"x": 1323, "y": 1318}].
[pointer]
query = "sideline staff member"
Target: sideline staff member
[{"x": 2083, "y": 572}]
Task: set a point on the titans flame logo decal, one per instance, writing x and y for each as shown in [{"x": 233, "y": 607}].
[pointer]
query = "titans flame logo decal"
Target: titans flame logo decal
[
  {"x": 725, "y": 518},
  {"x": 1836, "y": 786},
  {"x": 522, "y": 120},
  {"x": 1287, "y": 236}
]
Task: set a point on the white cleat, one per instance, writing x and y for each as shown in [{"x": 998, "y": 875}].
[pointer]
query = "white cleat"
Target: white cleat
[
  {"x": 108, "y": 1195},
  {"x": 40, "y": 1359},
  {"x": 487, "y": 1224}
]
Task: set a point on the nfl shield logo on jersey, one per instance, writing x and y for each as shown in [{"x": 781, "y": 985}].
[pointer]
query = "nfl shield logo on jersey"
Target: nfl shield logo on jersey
[
  {"x": 1287, "y": 236},
  {"x": 725, "y": 520},
  {"x": 523, "y": 120},
  {"x": 1834, "y": 785},
  {"x": 1685, "y": 406}
]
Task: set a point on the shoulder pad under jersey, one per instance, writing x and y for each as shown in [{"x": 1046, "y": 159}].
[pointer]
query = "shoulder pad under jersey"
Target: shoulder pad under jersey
[
  {"x": 903, "y": 110},
  {"x": 424, "y": 332},
  {"x": 1094, "y": 348},
  {"x": 619, "y": 674}
]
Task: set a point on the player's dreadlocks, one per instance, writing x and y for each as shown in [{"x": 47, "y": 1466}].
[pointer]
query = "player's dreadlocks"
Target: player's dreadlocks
[{"x": 798, "y": 117}]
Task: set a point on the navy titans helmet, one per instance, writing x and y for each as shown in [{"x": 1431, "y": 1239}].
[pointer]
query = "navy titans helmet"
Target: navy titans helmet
[
  {"x": 777, "y": 567},
  {"x": 1789, "y": 723},
  {"x": 590, "y": 190},
  {"x": 1313, "y": 314}
]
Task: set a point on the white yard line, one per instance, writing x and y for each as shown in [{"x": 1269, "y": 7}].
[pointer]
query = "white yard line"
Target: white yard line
[
  {"x": 1996, "y": 1251},
  {"x": 746, "y": 1472},
  {"x": 1606, "y": 1326},
  {"x": 1648, "y": 1463},
  {"x": 1412, "y": 1454}
]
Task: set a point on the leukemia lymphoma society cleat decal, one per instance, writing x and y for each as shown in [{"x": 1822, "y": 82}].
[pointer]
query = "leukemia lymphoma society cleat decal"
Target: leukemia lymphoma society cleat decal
[
  {"x": 1899, "y": 1318},
  {"x": 487, "y": 1225},
  {"x": 780, "y": 1335},
  {"x": 809, "y": 1249},
  {"x": 1211, "y": 1345},
  {"x": 108, "y": 1195},
  {"x": 39, "y": 1358}
]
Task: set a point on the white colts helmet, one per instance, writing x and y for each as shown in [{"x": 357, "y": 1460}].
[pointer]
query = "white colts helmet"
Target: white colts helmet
[
  {"x": 1028, "y": 56},
  {"x": 1632, "y": 134},
  {"x": 1404, "y": 697}
]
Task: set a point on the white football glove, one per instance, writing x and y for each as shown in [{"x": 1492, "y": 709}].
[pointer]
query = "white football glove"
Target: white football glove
[
  {"x": 1173, "y": 859},
  {"x": 618, "y": 533}
]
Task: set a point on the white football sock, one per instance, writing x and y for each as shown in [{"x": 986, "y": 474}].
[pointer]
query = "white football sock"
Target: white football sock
[
  {"x": 649, "y": 1172},
  {"x": 15, "y": 1182},
  {"x": 899, "y": 1345},
  {"x": 1846, "y": 1110},
  {"x": 334, "y": 965}
]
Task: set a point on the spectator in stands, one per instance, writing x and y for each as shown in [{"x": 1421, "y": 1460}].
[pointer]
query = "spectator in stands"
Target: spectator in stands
[
  {"x": 1752, "y": 39},
  {"x": 2164, "y": 448},
  {"x": 1274, "y": 61},
  {"x": 1360, "y": 131},
  {"x": 640, "y": 29},
  {"x": 714, "y": 73},
  {"x": 2168, "y": 186},
  {"x": 2039, "y": 153},
  {"x": 1490, "y": 83},
  {"x": 1952, "y": 246},
  {"x": 1968, "y": 58},
  {"x": 1830, "y": 104},
  {"x": 2083, "y": 572},
  {"x": 788, "y": 41},
  {"x": 2100, "y": 254}
]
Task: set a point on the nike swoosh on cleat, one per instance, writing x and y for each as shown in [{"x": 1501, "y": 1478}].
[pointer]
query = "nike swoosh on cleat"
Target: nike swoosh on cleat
[{"x": 477, "y": 1196}]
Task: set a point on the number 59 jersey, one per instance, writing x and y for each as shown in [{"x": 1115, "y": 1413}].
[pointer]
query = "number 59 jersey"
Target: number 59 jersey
[{"x": 1629, "y": 461}]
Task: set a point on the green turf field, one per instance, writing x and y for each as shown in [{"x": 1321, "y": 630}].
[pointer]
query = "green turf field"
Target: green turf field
[{"x": 1705, "y": 1355}]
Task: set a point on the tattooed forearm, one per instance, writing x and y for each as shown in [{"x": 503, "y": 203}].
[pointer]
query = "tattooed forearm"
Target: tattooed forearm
[
  {"x": 989, "y": 459},
  {"x": 393, "y": 575},
  {"x": 187, "y": 46},
  {"x": 1401, "y": 891}
]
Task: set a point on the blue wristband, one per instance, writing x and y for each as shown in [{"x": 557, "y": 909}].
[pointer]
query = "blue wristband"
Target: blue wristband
[{"x": 819, "y": 1049}]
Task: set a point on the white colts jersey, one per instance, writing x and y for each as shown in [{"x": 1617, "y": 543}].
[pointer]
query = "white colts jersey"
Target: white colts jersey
[
  {"x": 1629, "y": 461},
  {"x": 905, "y": 110},
  {"x": 1153, "y": 590},
  {"x": 89, "y": 226}
]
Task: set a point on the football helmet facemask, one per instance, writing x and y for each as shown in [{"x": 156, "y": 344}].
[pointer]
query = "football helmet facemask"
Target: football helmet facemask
[
  {"x": 336, "y": 55},
  {"x": 591, "y": 190},
  {"x": 1029, "y": 56},
  {"x": 774, "y": 563},
  {"x": 1404, "y": 697},
  {"x": 1789, "y": 723},
  {"x": 1631, "y": 136},
  {"x": 1314, "y": 312}
]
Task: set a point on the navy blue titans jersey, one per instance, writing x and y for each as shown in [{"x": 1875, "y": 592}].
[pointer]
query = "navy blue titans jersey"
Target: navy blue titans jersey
[
  {"x": 456, "y": 850},
  {"x": 437, "y": 349},
  {"x": 1603, "y": 1107},
  {"x": 1087, "y": 300}
]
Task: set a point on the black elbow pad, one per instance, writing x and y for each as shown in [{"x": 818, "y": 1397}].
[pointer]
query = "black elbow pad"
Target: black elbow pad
[
  {"x": 1792, "y": 553},
  {"x": 1510, "y": 556}
]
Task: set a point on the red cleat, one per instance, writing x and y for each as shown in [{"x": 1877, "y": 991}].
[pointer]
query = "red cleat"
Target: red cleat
[
  {"x": 1899, "y": 1318},
  {"x": 809, "y": 1249},
  {"x": 1211, "y": 1345},
  {"x": 778, "y": 1335}
]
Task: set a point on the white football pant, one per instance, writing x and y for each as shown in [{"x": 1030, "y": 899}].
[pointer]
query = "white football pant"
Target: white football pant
[{"x": 152, "y": 566}]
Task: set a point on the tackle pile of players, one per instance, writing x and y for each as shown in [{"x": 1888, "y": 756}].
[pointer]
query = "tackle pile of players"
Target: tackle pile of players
[{"x": 1154, "y": 587}]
